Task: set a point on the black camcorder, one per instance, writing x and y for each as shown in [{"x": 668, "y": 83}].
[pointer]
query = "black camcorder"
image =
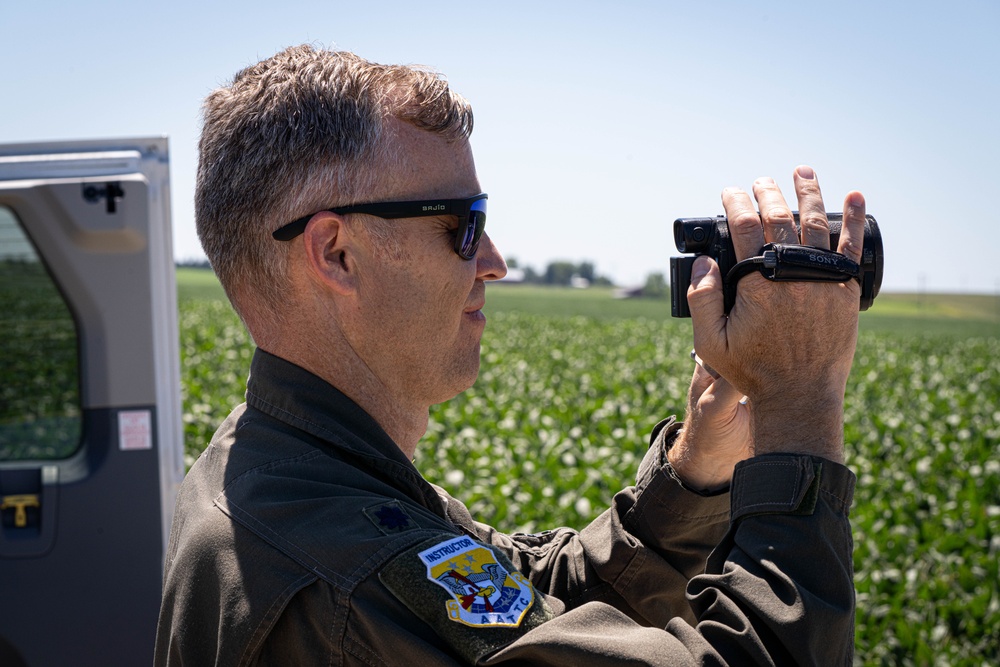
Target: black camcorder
[{"x": 710, "y": 236}]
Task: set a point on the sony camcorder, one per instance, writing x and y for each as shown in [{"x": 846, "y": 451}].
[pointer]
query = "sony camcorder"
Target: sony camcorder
[{"x": 710, "y": 236}]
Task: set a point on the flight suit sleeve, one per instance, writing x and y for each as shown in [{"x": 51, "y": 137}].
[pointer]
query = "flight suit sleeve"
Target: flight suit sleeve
[
  {"x": 777, "y": 590},
  {"x": 637, "y": 556}
]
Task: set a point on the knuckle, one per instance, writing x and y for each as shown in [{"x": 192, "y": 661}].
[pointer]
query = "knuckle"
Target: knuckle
[
  {"x": 809, "y": 188},
  {"x": 702, "y": 293},
  {"x": 851, "y": 247},
  {"x": 814, "y": 221},
  {"x": 778, "y": 216},
  {"x": 744, "y": 221}
]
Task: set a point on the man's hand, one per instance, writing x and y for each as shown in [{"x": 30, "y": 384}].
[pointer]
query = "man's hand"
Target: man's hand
[
  {"x": 716, "y": 434},
  {"x": 788, "y": 346}
]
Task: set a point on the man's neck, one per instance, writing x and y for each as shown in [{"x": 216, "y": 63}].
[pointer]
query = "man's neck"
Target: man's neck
[{"x": 403, "y": 422}]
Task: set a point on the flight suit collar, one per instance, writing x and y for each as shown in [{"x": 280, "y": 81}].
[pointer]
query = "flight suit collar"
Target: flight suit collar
[{"x": 293, "y": 395}]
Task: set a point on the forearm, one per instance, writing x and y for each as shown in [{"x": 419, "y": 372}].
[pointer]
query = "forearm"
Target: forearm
[
  {"x": 778, "y": 589},
  {"x": 664, "y": 533},
  {"x": 637, "y": 556},
  {"x": 786, "y": 564}
]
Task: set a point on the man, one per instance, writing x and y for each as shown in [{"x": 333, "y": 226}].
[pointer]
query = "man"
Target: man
[{"x": 339, "y": 204}]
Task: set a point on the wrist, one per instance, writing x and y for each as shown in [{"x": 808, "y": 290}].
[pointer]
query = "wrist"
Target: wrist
[
  {"x": 816, "y": 428},
  {"x": 703, "y": 474}
]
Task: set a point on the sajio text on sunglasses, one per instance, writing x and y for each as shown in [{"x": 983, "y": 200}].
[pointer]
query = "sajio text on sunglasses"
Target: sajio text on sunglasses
[{"x": 471, "y": 213}]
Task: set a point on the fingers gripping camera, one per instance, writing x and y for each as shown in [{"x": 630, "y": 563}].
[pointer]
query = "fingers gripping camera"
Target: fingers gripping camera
[{"x": 779, "y": 262}]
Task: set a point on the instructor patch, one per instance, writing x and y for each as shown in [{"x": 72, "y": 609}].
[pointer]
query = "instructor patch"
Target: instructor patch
[
  {"x": 469, "y": 593},
  {"x": 483, "y": 591}
]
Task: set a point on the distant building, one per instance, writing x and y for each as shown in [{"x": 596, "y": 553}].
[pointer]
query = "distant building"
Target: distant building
[
  {"x": 628, "y": 292},
  {"x": 514, "y": 275}
]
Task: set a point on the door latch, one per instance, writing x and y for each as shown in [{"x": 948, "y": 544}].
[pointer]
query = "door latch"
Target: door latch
[
  {"x": 20, "y": 505},
  {"x": 111, "y": 192}
]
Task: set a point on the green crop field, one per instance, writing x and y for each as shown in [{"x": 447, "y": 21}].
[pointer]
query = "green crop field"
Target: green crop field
[{"x": 573, "y": 381}]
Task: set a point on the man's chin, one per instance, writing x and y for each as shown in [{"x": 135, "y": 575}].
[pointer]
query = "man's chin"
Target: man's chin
[
  {"x": 462, "y": 379},
  {"x": 473, "y": 375}
]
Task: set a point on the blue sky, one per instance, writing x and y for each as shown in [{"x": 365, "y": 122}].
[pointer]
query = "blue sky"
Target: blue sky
[{"x": 597, "y": 123}]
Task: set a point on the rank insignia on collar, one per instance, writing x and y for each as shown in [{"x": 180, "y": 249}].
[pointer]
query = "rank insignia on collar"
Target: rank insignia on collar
[
  {"x": 483, "y": 592},
  {"x": 390, "y": 518}
]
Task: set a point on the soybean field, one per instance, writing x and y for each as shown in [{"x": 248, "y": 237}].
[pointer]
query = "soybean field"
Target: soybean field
[{"x": 573, "y": 381}]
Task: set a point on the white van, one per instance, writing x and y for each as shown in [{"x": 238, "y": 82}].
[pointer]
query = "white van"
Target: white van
[{"x": 91, "y": 440}]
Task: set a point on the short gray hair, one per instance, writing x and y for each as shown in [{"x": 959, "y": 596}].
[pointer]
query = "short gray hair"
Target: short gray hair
[{"x": 296, "y": 133}]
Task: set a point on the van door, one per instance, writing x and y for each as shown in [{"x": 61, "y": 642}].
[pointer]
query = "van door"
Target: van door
[{"x": 91, "y": 449}]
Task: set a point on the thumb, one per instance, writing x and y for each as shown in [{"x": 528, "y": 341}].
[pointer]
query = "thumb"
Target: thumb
[
  {"x": 705, "y": 301},
  {"x": 723, "y": 392}
]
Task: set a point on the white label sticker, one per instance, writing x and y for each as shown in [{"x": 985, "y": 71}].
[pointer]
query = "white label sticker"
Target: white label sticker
[{"x": 135, "y": 430}]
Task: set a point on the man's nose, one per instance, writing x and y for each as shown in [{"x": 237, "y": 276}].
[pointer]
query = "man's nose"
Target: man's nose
[{"x": 490, "y": 264}]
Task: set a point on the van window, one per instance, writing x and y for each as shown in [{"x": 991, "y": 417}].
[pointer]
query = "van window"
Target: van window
[{"x": 40, "y": 414}]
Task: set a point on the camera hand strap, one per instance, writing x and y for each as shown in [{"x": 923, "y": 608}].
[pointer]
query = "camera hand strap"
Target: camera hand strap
[{"x": 797, "y": 263}]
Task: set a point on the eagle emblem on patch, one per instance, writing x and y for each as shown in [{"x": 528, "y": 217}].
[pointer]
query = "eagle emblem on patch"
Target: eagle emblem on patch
[{"x": 483, "y": 592}]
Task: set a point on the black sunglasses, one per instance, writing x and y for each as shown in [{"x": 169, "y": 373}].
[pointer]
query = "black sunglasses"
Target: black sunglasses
[{"x": 471, "y": 214}]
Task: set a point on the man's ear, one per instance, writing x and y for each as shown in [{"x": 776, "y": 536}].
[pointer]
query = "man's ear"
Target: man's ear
[{"x": 330, "y": 252}]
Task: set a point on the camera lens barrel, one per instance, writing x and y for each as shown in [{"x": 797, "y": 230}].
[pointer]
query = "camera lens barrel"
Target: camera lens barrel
[{"x": 696, "y": 234}]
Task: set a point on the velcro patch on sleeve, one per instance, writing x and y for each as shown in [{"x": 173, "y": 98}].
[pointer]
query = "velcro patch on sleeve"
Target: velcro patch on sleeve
[
  {"x": 775, "y": 484},
  {"x": 471, "y": 594}
]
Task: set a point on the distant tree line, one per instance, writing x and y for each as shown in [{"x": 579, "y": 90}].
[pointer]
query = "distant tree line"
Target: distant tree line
[
  {"x": 656, "y": 286},
  {"x": 193, "y": 264},
  {"x": 560, "y": 272},
  {"x": 584, "y": 274}
]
